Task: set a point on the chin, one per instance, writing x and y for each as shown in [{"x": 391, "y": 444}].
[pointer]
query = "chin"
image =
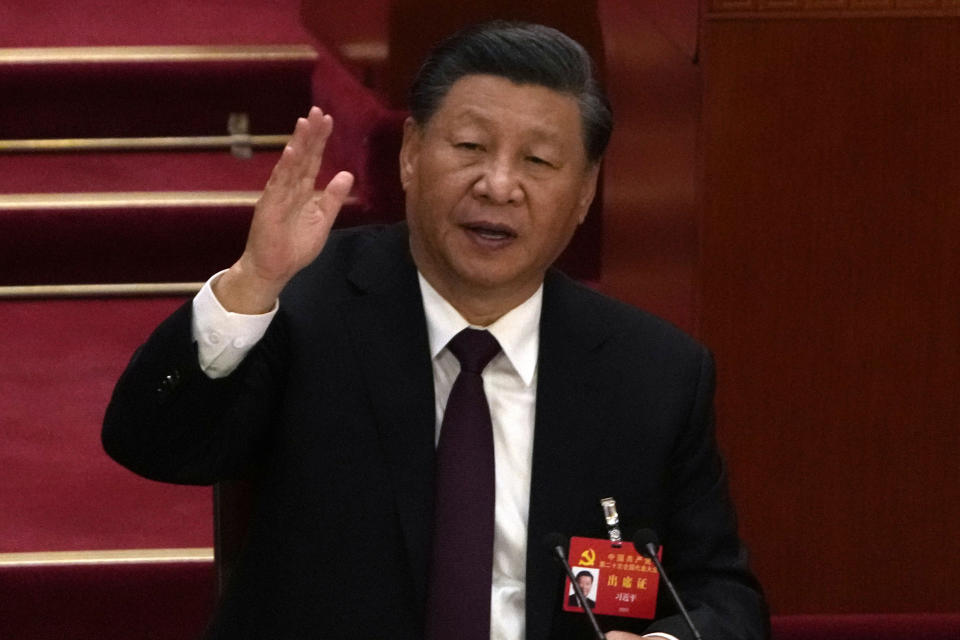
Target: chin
[{"x": 479, "y": 275}]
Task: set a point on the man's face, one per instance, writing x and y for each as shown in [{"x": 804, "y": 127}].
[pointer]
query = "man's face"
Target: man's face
[
  {"x": 496, "y": 183},
  {"x": 586, "y": 583}
]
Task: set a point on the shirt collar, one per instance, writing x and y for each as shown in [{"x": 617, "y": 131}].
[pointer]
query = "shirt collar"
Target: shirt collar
[{"x": 517, "y": 331}]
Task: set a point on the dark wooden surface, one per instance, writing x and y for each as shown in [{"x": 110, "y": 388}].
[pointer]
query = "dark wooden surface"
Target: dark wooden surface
[{"x": 831, "y": 295}]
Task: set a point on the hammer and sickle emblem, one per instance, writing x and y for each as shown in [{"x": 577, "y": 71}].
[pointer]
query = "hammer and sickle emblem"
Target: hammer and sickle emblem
[{"x": 587, "y": 558}]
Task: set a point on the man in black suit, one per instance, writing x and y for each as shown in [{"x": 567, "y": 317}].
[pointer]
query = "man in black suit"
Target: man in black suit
[{"x": 333, "y": 398}]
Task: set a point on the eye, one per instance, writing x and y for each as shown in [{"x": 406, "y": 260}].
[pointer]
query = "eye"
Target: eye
[
  {"x": 539, "y": 161},
  {"x": 469, "y": 146}
]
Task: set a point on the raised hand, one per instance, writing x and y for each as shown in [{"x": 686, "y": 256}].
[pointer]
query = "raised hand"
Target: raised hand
[{"x": 291, "y": 221}]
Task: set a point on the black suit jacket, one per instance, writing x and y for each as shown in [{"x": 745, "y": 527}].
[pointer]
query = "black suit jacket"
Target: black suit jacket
[
  {"x": 333, "y": 414},
  {"x": 574, "y": 601}
]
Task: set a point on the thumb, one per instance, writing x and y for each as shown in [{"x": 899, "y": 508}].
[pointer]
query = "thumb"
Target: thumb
[{"x": 336, "y": 192}]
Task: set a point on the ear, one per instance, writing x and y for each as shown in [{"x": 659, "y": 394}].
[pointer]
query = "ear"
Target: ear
[
  {"x": 409, "y": 151},
  {"x": 587, "y": 191}
]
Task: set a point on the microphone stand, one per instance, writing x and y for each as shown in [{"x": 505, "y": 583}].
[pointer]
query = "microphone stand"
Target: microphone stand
[{"x": 556, "y": 546}]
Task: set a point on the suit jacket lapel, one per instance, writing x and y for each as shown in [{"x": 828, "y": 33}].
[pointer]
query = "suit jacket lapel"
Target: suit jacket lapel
[
  {"x": 386, "y": 325},
  {"x": 570, "y": 416}
]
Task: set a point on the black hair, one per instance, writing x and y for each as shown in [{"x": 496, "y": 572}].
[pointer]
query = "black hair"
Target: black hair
[
  {"x": 585, "y": 573},
  {"x": 524, "y": 53}
]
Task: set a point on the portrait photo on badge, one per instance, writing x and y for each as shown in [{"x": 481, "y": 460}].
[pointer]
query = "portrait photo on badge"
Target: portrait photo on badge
[{"x": 587, "y": 579}]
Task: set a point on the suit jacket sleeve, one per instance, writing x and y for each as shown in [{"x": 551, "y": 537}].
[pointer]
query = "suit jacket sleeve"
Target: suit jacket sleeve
[
  {"x": 168, "y": 421},
  {"x": 702, "y": 552}
]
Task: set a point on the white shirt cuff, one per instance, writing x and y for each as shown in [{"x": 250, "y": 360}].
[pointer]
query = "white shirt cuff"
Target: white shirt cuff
[
  {"x": 657, "y": 634},
  {"x": 224, "y": 338}
]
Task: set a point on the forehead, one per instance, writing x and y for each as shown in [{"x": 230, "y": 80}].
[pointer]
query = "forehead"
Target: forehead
[{"x": 533, "y": 109}]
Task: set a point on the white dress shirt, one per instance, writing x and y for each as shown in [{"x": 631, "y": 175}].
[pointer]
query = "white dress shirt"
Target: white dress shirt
[{"x": 509, "y": 381}]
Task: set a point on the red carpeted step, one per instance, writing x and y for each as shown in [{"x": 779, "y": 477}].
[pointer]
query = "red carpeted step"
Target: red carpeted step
[
  {"x": 136, "y": 171},
  {"x": 112, "y": 92},
  {"x": 55, "y": 239},
  {"x": 61, "y": 359},
  {"x": 53, "y": 23},
  {"x": 149, "y": 599},
  {"x": 115, "y": 238}
]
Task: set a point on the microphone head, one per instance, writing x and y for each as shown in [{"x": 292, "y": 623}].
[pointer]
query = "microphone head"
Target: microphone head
[
  {"x": 644, "y": 537},
  {"x": 554, "y": 540}
]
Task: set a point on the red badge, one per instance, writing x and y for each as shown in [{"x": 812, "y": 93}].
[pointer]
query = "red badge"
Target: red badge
[{"x": 618, "y": 581}]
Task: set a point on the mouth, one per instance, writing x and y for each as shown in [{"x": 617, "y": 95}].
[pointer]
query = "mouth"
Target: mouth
[{"x": 489, "y": 232}]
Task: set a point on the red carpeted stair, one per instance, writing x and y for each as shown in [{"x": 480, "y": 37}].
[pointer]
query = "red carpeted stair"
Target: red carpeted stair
[
  {"x": 84, "y": 598},
  {"x": 89, "y": 211},
  {"x": 152, "y": 91},
  {"x": 126, "y": 237}
]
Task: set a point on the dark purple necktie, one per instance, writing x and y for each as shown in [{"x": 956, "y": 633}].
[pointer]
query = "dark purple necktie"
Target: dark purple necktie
[{"x": 458, "y": 602}]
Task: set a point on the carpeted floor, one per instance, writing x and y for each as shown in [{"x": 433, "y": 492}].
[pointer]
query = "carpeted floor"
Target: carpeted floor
[{"x": 58, "y": 490}]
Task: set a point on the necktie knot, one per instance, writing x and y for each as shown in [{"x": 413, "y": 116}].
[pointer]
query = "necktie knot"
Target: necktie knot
[{"x": 474, "y": 348}]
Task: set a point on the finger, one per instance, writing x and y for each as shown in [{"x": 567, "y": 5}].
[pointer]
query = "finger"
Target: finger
[
  {"x": 282, "y": 187},
  {"x": 279, "y": 185},
  {"x": 308, "y": 137},
  {"x": 321, "y": 126},
  {"x": 285, "y": 173},
  {"x": 336, "y": 193},
  {"x": 294, "y": 175}
]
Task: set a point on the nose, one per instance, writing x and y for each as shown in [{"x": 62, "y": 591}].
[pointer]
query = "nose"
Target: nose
[{"x": 499, "y": 183}]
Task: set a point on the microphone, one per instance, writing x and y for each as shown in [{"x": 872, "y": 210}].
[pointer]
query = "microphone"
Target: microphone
[
  {"x": 646, "y": 542},
  {"x": 557, "y": 543}
]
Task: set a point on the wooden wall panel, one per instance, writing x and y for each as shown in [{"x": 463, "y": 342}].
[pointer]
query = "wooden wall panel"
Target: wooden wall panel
[
  {"x": 650, "y": 198},
  {"x": 830, "y": 282}
]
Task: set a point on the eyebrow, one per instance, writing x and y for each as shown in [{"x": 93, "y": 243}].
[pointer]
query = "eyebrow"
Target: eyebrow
[{"x": 541, "y": 133}]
